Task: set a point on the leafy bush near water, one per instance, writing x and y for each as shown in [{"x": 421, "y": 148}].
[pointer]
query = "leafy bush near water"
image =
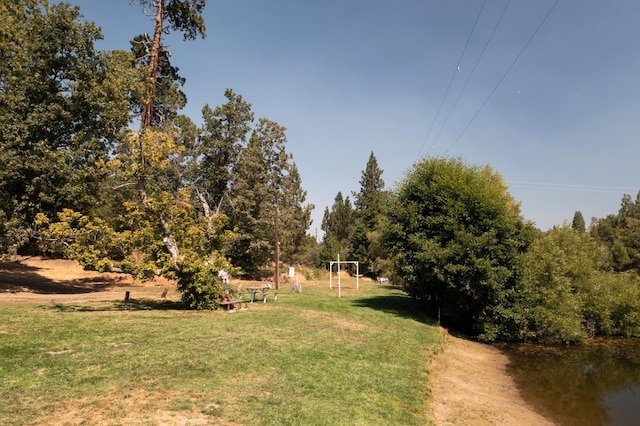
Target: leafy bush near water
[{"x": 463, "y": 251}]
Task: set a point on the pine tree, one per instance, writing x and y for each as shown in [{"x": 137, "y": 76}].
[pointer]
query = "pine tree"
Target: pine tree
[
  {"x": 338, "y": 225},
  {"x": 366, "y": 245},
  {"x": 255, "y": 194},
  {"x": 578, "y": 222},
  {"x": 295, "y": 217}
]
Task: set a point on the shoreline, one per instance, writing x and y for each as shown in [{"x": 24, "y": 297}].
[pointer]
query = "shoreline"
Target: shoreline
[{"x": 469, "y": 385}]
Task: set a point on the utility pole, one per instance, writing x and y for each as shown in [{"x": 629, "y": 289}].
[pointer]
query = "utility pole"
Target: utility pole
[{"x": 277, "y": 253}]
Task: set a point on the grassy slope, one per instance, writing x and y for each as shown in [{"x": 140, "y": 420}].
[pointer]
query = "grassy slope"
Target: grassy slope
[{"x": 307, "y": 359}]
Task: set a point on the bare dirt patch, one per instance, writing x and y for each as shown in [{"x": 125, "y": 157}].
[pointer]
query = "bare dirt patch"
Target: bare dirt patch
[
  {"x": 470, "y": 386},
  {"x": 35, "y": 279}
]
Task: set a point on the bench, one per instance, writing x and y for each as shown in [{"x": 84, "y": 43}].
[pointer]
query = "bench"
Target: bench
[{"x": 230, "y": 304}]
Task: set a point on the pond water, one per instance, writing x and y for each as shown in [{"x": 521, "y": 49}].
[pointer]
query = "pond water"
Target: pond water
[{"x": 594, "y": 384}]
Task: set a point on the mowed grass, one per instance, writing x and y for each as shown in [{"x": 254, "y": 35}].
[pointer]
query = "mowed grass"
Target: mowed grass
[{"x": 305, "y": 359}]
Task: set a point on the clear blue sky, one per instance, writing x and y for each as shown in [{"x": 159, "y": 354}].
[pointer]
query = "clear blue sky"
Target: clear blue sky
[{"x": 347, "y": 77}]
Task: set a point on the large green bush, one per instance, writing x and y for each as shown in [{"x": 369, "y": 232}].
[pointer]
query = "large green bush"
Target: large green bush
[
  {"x": 570, "y": 293},
  {"x": 458, "y": 243},
  {"x": 199, "y": 284}
]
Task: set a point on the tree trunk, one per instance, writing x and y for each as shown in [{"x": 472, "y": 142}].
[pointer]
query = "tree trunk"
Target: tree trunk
[
  {"x": 156, "y": 44},
  {"x": 146, "y": 123}
]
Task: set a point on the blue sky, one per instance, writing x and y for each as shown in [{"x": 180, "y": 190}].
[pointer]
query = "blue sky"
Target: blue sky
[{"x": 347, "y": 77}]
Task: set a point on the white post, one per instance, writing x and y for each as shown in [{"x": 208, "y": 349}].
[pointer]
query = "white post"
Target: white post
[{"x": 357, "y": 276}]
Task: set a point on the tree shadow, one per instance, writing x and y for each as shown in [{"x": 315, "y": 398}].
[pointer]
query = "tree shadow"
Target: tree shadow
[
  {"x": 16, "y": 277},
  {"x": 400, "y": 305},
  {"x": 117, "y": 306}
]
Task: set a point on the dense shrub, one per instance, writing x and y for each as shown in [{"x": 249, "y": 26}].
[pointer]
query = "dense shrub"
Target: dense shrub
[
  {"x": 199, "y": 284},
  {"x": 458, "y": 244},
  {"x": 569, "y": 293}
]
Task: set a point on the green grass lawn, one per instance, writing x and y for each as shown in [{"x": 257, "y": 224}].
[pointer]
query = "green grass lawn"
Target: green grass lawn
[{"x": 305, "y": 359}]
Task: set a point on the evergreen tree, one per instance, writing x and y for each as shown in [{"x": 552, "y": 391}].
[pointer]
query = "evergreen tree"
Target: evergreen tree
[
  {"x": 258, "y": 182},
  {"x": 578, "y": 223},
  {"x": 222, "y": 138},
  {"x": 295, "y": 217},
  {"x": 366, "y": 245},
  {"x": 338, "y": 225},
  {"x": 370, "y": 200},
  {"x": 177, "y": 15}
]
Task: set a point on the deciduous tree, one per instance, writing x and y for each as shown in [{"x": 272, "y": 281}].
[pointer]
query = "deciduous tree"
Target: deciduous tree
[
  {"x": 458, "y": 242},
  {"x": 61, "y": 106}
]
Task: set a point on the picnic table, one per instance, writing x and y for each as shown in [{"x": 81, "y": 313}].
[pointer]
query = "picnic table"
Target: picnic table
[{"x": 262, "y": 289}]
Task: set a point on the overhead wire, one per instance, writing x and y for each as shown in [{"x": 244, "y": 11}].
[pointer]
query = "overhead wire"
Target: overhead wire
[
  {"x": 453, "y": 76},
  {"x": 504, "y": 75},
  {"x": 570, "y": 187},
  {"x": 484, "y": 49}
]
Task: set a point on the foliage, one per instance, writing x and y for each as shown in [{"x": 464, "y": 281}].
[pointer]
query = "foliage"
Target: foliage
[
  {"x": 338, "y": 225},
  {"x": 620, "y": 233},
  {"x": 458, "y": 243},
  {"x": 265, "y": 178},
  {"x": 370, "y": 210},
  {"x": 568, "y": 295},
  {"x": 220, "y": 142},
  {"x": 578, "y": 222},
  {"x": 199, "y": 284},
  {"x": 59, "y": 112},
  {"x": 78, "y": 182}
]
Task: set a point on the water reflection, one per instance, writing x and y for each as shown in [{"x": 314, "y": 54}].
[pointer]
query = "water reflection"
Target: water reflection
[{"x": 594, "y": 384}]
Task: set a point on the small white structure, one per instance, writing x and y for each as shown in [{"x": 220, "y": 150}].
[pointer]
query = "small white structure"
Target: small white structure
[{"x": 338, "y": 262}]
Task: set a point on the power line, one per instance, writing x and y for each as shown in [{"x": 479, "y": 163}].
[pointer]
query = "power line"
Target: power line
[
  {"x": 453, "y": 76},
  {"x": 570, "y": 187},
  {"x": 505, "y": 74},
  {"x": 455, "y": 103}
]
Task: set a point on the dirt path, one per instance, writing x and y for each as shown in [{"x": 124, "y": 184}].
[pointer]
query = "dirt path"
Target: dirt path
[{"x": 470, "y": 386}]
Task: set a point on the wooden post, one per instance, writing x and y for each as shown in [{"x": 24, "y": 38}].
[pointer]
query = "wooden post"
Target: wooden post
[
  {"x": 277, "y": 281},
  {"x": 126, "y": 296}
]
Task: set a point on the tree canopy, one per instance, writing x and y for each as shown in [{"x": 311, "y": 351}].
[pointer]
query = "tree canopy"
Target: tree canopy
[{"x": 458, "y": 242}]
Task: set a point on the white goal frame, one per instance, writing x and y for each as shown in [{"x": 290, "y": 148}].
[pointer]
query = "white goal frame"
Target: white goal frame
[{"x": 338, "y": 262}]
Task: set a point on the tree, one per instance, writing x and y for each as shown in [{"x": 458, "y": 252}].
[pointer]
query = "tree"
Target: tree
[
  {"x": 257, "y": 190},
  {"x": 370, "y": 200},
  {"x": 458, "y": 242},
  {"x": 180, "y": 15},
  {"x": 620, "y": 233},
  {"x": 366, "y": 245},
  {"x": 295, "y": 217},
  {"x": 168, "y": 96},
  {"x": 222, "y": 138},
  {"x": 338, "y": 225},
  {"x": 61, "y": 107},
  {"x": 562, "y": 292},
  {"x": 578, "y": 222}
]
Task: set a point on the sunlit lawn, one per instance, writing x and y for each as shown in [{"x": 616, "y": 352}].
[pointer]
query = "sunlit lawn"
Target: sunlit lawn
[{"x": 305, "y": 359}]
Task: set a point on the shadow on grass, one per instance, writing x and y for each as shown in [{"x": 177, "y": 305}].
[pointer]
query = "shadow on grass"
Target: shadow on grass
[
  {"x": 399, "y": 305},
  {"x": 131, "y": 305}
]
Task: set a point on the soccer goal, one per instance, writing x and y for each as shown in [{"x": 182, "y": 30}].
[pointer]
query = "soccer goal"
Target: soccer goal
[{"x": 343, "y": 262}]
